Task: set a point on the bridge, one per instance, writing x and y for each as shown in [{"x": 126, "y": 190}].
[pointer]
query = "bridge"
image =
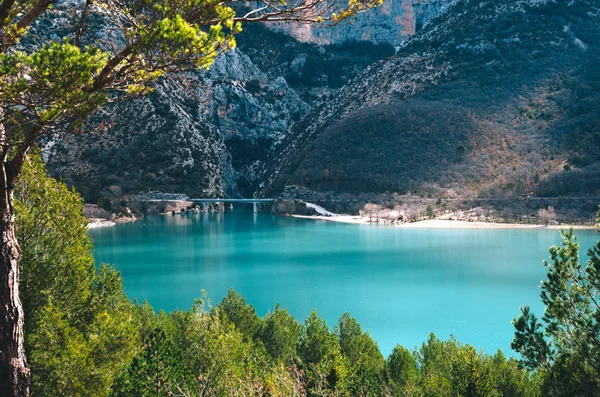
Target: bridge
[{"x": 254, "y": 201}]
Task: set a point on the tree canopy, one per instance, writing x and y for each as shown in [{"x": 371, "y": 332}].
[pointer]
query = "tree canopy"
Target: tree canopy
[
  {"x": 565, "y": 344},
  {"x": 80, "y": 327}
]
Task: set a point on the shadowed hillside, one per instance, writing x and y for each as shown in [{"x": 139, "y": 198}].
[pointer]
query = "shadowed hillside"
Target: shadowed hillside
[{"x": 496, "y": 99}]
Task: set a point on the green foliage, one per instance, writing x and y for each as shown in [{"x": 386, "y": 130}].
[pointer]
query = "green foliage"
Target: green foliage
[
  {"x": 365, "y": 360},
  {"x": 569, "y": 377},
  {"x": 429, "y": 211},
  {"x": 315, "y": 339},
  {"x": 471, "y": 374},
  {"x": 320, "y": 352},
  {"x": 565, "y": 345},
  {"x": 79, "y": 325},
  {"x": 510, "y": 380},
  {"x": 401, "y": 371},
  {"x": 243, "y": 316},
  {"x": 156, "y": 371},
  {"x": 56, "y": 251},
  {"x": 221, "y": 360},
  {"x": 55, "y": 79},
  {"x": 449, "y": 368},
  {"x": 280, "y": 334},
  {"x": 530, "y": 341}
]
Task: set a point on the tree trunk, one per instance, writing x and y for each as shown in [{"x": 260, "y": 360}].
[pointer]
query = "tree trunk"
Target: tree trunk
[{"x": 14, "y": 373}]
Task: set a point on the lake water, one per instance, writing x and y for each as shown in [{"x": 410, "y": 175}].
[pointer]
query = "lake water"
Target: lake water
[{"x": 401, "y": 284}]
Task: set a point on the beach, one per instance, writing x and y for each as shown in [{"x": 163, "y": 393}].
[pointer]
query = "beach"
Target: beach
[{"x": 439, "y": 223}]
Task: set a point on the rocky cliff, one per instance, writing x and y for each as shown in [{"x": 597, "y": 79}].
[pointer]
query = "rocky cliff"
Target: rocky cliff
[
  {"x": 393, "y": 22},
  {"x": 207, "y": 133}
]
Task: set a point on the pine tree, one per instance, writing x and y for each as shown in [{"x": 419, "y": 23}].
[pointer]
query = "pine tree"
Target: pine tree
[
  {"x": 157, "y": 371},
  {"x": 80, "y": 326},
  {"x": 565, "y": 344}
]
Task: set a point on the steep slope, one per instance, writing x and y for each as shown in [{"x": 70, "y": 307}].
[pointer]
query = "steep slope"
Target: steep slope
[
  {"x": 496, "y": 99},
  {"x": 206, "y": 133},
  {"x": 158, "y": 142}
]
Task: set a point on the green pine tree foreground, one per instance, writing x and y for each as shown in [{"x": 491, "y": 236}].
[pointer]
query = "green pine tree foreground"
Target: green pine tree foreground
[
  {"x": 85, "y": 338},
  {"x": 80, "y": 328},
  {"x": 565, "y": 345}
]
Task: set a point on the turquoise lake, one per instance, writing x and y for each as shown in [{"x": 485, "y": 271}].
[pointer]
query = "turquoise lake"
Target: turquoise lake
[{"x": 401, "y": 284}]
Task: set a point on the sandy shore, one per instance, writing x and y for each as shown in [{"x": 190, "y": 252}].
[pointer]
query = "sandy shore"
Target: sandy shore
[
  {"x": 440, "y": 223},
  {"x": 99, "y": 222}
]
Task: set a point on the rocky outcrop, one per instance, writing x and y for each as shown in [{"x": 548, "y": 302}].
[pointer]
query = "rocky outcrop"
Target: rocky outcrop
[
  {"x": 393, "y": 22},
  {"x": 207, "y": 133},
  {"x": 175, "y": 139},
  {"x": 242, "y": 101},
  {"x": 158, "y": 142},
  {"x": 251, "y": 112}
]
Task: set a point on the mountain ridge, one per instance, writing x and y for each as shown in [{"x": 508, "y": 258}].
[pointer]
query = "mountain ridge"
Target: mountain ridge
[{"x": 521, "y": 69}]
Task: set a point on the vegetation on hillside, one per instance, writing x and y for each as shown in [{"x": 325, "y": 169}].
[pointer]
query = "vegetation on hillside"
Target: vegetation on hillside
[{"x": 502, "y": 106}]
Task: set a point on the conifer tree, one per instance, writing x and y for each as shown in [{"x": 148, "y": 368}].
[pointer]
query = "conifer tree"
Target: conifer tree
[
  {"x": 565, "y": 344},
  {"x": 80, "y": 327}
]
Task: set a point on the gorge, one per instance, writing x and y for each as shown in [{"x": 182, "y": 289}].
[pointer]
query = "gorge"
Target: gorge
[{"x": 518, "y": 119}]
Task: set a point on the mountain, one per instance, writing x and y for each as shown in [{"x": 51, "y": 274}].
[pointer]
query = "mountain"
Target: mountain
[
  {"x": 496, "y": 99},
  {"x": 205, "y": 133}
]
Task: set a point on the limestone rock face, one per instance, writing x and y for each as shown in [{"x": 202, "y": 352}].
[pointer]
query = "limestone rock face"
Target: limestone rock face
[
  {"x": 157, "y": 142},
  {"x": 242, "y": 101},
  {"x": 250, "y": 111},
  {"x": 174, "y": 140},
  {"x": 393, "y": 22}
]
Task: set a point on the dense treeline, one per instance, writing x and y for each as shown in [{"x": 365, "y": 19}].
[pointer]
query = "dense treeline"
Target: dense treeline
[
  {"x": 229, "y": 350},
  {"x": 85, "y": 338}
]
